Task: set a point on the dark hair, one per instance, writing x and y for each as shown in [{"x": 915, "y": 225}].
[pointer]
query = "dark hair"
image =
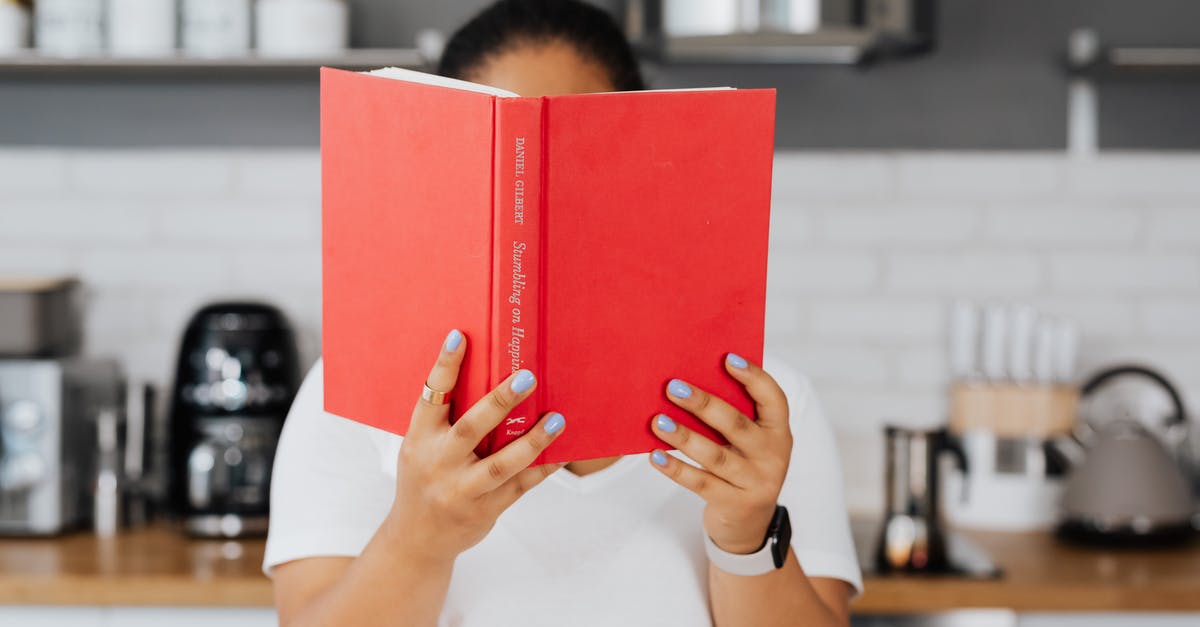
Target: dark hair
[{"x": 510, "y": 23}]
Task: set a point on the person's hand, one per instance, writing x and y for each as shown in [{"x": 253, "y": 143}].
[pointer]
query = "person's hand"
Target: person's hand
[
  {"x": 447, "y": 498},
  {"x": 740, "y": 482}
]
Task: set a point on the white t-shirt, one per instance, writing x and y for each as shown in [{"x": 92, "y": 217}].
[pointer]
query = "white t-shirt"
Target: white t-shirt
[{"x": 620, "y": 546}]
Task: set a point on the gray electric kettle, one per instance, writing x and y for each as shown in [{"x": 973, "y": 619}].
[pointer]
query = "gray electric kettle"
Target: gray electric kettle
[{"x": 1128, "y": 488}]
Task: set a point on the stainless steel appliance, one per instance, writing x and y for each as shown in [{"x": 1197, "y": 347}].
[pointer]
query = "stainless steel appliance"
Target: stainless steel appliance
[
  {"x": 237, "y": 373},
  {"x": 781, "y": 31},
  {"x": 912, "y": 538},
  {"x": 40, "y": 317},
  {"x": 48, "y": 413},
  {"x": 1128, "y": 488}
]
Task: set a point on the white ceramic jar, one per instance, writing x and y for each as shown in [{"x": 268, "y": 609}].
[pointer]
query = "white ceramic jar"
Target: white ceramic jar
[
  {"x": 141, "y": 28},
  {"x": 69, "y": 28},
  {"x": 301, "y": 28},
  {"x": 216, "y": 28},
  {"x": 14, "y": 27}
]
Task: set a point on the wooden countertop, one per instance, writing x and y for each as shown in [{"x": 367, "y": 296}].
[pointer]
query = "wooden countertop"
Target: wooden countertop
[
  {"x": 159, "y": 566},
  {"x": 152, "y": 566}
]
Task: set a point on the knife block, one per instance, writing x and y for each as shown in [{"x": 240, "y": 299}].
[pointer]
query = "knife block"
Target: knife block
[{"x": 1012, "y": 410}]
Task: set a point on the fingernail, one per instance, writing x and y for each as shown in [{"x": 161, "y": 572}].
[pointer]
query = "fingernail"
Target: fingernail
[
  {"x": 679, "y": 389},
  {"x": 523, "y": 381},
  {"x": 659, "y": 458},
  {"x": 555, "y": 423},
  {"x": 453, "y": 340},
  {"x": 735, "y": 360},
  {"x": 664, "y": 423}
]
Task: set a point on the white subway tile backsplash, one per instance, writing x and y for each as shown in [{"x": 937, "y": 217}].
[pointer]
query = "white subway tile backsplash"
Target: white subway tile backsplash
[
  {"x": 275, "y": 174},
  {"x": 790, "y": 224},
  {"x": 858, "y": 408},
  {"x": 894, "y": 226},
  {"x": 848, "y": 362},
  {"x": 1111, "y": 316},
  {"x": 1135, "y": 176},
  {"x": 74, "y": 222},
  {"x": 35, "y": 259},
  {"x": 922, "y": 367},
  {"x": 278, "y": 267},
  {"x": 867, "y": 251},
  {"x": 174, "y": 175},
  {"x": 36, "y": 172},
  {"x": 1173, "y": 320},
  {"x": 1125, "y": 272},
  {"x": 783, "y": 318},
  {"x": 806, "y": 270},
  {"x": 1180, "y": 227},
  {"x": 876, "y": 321},
  {"x": 235, "y": 228},
  {"x": 1037, "y": 226},
  {"x": 980, "y": 176},
  {"x": 185, "y": 271},
  {"x": 803, "y": 177},
  {"x": 974, "y": 273}
]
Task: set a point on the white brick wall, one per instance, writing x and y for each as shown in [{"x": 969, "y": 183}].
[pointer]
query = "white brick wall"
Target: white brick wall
[{"x": 867, "y": 251}]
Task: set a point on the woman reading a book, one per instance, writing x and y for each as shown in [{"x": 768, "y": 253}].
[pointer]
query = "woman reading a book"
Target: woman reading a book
[{"x": 366, "y": 531}]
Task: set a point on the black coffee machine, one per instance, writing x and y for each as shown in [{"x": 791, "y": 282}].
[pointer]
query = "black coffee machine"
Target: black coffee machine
[{"x": 237, "y": 374}]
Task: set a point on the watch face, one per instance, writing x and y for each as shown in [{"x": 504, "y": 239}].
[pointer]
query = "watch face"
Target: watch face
[{"x": 781, "y": 535}]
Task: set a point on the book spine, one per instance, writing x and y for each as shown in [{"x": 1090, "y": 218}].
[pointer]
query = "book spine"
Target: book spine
[{"x": 516, "y": 267}]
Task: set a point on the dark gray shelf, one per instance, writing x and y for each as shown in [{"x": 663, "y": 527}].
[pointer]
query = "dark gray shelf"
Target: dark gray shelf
[{"x": 33, "y": 64}]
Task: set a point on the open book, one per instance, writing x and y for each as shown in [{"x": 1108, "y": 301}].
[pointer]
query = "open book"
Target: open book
[{"x": 607, "y": 242}]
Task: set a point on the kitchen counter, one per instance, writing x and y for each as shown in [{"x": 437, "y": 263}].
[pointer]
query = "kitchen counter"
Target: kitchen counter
[{"x": 159, "y": 566}]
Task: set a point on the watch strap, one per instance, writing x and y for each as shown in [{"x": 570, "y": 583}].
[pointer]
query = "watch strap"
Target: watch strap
[{"x": 760, "y": 562}]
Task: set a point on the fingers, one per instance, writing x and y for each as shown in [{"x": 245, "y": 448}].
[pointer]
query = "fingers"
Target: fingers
[
  {"x": 498, "y": 468},
  {"x": 491, "y": 410},
  {"x": 737, "y": 428},
  {"x": 706, "y": 485},
  {"x": 770, "y": 403},
  {"x": 722, "y": 461},
  {"x": 442, "y": 378},
  {"x": 523, "y": 482}
]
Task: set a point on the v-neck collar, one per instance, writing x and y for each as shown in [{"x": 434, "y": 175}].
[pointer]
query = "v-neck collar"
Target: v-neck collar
[{"x": 594, "y": 481}]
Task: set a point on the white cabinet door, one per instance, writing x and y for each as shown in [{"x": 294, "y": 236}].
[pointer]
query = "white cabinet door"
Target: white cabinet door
[
  {"x": 50, "y": 616},
  {"x": 189, "y": 617},
  {"x": 1108, "y": 619}
]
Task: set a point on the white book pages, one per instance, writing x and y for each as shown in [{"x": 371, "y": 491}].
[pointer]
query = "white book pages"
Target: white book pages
[{"x": 412, "y": 76}]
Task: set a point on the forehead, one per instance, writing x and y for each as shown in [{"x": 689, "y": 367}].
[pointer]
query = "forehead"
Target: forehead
[{"x": 543, "y": 69}]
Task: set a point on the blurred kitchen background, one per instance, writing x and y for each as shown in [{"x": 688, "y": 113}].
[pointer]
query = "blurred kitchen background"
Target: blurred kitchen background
[{"x": 942, "y": 168}]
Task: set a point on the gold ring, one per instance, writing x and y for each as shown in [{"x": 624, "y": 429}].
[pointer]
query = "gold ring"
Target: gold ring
[{"x": 430, "y": 395}]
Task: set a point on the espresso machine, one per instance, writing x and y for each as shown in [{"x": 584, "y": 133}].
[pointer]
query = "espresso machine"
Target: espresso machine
[
  {"x": 912, "y": 538},
  {"x": 237, "y": 374}
]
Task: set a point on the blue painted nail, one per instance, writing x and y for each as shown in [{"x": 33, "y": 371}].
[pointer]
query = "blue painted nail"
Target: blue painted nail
[
  {"x": 659, "y": 457},
  {"x": 453, "y": 340},
  {"x": 523, "y": 381},
  {"x": 679, "y": 389},
  {"x": 555, "y": 423},
  {"x": 736, "y": 360},
  {"x": 664, "y": 423}
]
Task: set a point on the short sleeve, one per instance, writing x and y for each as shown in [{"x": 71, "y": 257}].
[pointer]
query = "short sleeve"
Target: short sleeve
[
  {"x": 328, "y": 492},
  {"x": 812, "y": 490}
]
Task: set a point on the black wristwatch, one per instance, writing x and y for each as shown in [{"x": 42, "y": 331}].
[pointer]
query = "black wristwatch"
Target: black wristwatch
[{"x": 770, "y": 556}]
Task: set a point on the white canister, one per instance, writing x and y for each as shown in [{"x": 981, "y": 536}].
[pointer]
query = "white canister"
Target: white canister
[
  {"x": 301, "y": 28},
  {"x": 216, "y": 28},
  {"x": 141, "y": 28},
  {"x": 14, "y": 27},
  {"x": 69, "y": 28}
]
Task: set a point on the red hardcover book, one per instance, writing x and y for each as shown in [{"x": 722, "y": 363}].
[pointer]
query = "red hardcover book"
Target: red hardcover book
[{"x": 607, "y": 242}]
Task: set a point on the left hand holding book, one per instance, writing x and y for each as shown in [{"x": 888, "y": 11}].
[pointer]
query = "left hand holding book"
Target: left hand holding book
[{"x": 447, "y": 497}]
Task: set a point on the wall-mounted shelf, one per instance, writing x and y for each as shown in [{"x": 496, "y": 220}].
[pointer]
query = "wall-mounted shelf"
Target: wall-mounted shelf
[
  {"x": 33, "y": 64},
  {"x": 1086, "y": 57}
]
